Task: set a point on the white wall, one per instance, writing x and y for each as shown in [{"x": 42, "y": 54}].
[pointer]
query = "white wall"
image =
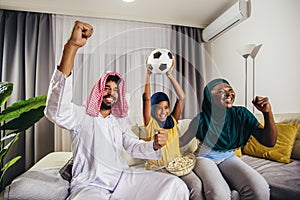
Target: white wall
[{"x": 275, "y": 24}]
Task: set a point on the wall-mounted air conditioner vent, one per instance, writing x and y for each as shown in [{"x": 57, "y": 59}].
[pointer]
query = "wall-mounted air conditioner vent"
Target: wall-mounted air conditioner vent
[{"x": 230, "y": 18}]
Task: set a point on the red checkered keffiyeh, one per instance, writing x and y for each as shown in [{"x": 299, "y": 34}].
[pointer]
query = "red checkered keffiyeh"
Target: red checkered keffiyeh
[{"x": 95, "y": 97}]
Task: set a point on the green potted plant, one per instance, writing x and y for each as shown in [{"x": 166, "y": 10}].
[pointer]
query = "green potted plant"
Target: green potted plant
[{"x": 15, "y": 119}]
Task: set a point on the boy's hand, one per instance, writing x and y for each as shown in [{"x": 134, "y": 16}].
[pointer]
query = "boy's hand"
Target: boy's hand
[
  {"x": 169, "y": 72},
  {"x": 160, "y": 139},
  {"x": 148, "y": 70}
]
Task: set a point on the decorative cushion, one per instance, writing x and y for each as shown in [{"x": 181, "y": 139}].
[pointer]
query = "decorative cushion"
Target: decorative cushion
[
  {"x": 183, "y": 125},
  {"x": 238, "y": 152},
  {"x": 135, "y": 129},
  {"x": 296, "y": 148},
  {"x": 192, "y": 146},
  {"x": 66, "y": 170},
  {"x": 281, "y": 152}
]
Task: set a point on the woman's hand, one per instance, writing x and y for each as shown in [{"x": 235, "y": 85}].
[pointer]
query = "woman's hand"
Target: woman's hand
[
  {"x": 267, "y": 134},
  {"x": 262, "y": 104}
]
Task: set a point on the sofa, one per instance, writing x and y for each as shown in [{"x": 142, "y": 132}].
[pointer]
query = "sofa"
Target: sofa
[{"x": 280, "y": 166}]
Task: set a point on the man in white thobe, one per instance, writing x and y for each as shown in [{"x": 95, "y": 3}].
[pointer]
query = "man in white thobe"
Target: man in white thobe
[{"x": 99, "y": 133}]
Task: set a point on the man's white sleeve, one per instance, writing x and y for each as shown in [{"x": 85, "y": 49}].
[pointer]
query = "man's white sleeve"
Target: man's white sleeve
[
  {"x": 59, "y": 107},
  {"x": 137, "y": 148}
]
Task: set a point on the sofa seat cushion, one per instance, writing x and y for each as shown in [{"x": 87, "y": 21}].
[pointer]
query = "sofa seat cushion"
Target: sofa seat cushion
[
  {"x": 284, "y": 179},
  {"x": 37, "y": 184}
]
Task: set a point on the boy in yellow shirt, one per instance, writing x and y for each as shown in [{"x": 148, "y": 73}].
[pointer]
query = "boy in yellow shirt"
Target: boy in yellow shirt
[{"x": 157, "y": 116}]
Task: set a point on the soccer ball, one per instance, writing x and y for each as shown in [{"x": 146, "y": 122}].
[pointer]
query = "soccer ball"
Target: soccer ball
[{"x": 160, "y": 61}]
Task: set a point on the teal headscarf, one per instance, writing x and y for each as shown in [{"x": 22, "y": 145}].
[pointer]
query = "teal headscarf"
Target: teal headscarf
[
  {"x": 207, "y": 105},
  {"x": 225, "y": 132}
]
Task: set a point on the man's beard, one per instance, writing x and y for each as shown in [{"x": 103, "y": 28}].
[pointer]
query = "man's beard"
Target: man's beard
[{"x": 105, "y": 106}]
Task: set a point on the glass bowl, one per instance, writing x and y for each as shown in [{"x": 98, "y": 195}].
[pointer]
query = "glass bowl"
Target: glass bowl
[{"x": 181, "y": 165}]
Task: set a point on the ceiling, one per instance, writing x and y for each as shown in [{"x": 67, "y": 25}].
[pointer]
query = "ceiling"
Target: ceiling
[{"x": 193, "y": 13}]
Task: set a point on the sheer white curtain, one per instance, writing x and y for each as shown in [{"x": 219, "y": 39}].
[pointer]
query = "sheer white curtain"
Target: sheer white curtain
[{"x": 116, "y": 45}]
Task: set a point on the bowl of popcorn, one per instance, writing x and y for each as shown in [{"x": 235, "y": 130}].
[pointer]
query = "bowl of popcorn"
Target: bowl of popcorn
[{"x": 181, "y": 165}]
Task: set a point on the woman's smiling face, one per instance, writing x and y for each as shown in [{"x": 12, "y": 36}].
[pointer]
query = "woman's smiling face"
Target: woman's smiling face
[{"x": 222, "y": 95}]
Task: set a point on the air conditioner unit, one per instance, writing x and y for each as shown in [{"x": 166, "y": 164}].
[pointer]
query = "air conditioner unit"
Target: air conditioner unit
[{"x": 230, "y": 18}]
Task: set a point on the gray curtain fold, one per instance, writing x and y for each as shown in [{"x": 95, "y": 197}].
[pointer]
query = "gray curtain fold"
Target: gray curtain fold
[
  {"x": 27, "y": 59},
  {"x": 186, "y": 44}
]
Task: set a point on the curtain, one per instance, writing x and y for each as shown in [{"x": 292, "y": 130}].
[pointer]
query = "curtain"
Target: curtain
[
  {"x": 186, "y": 43},
  {"x": 26, "y": 52}
]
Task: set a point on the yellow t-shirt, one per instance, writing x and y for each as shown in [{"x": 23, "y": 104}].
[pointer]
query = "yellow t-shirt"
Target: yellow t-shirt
[{"x": 170, "y": 150}]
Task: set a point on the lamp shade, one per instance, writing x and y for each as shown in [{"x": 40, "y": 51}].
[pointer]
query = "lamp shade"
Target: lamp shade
[
  {"x": 246, "y": 50},
  {"x": 255, "y": 51},
  {"x": 249, "y": 50}
]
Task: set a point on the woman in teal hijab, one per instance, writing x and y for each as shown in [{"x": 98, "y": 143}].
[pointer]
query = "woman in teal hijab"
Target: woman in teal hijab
[{"x": 222, "y": 127}]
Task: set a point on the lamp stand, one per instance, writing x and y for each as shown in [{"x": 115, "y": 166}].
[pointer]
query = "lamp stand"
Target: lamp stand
[
  {"x": 246, "y": 51},
  {"x": 253, "y": 82},
  {"x": 246, "y": 78}
]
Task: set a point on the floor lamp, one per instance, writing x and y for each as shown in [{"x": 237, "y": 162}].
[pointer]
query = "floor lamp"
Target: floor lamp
[
  {"x": 246, "y": 77},
  {"x": 246, "y": 51},
  {"x": 253, "y": 55}
]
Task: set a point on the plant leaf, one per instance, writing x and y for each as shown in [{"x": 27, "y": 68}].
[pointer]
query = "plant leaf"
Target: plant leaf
[
  {"x": 8, "y": 136},
  {"x": 6, "y": 89},
  {"x": 5, "y": 149},
  {"x": 22, "y": 106},
  {"x": 9, "y": 164},
  {"x": 24, "y": 121}
]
